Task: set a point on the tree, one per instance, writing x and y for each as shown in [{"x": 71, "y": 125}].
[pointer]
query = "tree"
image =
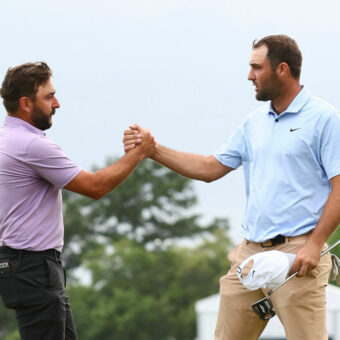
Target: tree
[
  {"x": 143, "y": 287},
  {"x": 140, "y": 294},
  {"x": 8, "y": 325},
  {"x": 153, "y": 204}
]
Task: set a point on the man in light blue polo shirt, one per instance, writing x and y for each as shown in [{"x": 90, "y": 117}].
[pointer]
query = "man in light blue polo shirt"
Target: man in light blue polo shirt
[
  {"x": 290, "y": 153},
  {"x": 288, "y": 160}
]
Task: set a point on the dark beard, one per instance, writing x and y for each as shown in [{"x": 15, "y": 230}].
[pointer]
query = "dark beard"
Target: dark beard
[
  {"x": 270, "y": 90},
  {"x": 41, "y": 120},
  {"x": 263, "y": 96}
]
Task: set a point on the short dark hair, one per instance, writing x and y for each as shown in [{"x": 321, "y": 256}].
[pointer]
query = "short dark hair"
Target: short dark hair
[
  {"x": 282, "y": 48},
  {"x": 23, "y": 80}
]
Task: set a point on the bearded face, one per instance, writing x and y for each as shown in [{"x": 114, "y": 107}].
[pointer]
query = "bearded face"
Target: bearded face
[
  {"x": 267, "y": 88},
  {"x": 264, "y": 78},
  {"x": 40, "y": 119}
]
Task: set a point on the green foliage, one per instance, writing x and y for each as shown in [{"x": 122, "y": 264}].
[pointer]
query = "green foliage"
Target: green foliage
[
  {"x": 147, "y": 295},
  {"x": 8, "y": 324},
  {"x": 144, "y": 285},
  {"x": 333, "y": 238},
  {"x": 14, "y": 335},
  {"x": 152, "y": 204},
  {"x": 142, "y": 288}
]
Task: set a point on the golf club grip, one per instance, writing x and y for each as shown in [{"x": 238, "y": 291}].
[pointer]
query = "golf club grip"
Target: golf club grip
[{"x": 293, "y": 275}]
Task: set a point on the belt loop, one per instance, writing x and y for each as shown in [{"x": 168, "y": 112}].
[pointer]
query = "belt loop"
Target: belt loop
[{"x": 20, "y": 254}]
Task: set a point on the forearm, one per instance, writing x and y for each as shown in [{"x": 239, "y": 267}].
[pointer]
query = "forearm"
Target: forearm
[
  {"x": 112, "y": 176},
  {"x": 98, "y": 184},
  {"x": 308, "y": 256},
  {"x": 200, "y": 167},
  {"x": 195, "y": 166},
  {"x": 330, "y": 217}
]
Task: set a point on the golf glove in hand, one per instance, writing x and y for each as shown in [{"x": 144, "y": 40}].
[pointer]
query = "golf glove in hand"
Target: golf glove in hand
[{"x": 335, "y": 272}]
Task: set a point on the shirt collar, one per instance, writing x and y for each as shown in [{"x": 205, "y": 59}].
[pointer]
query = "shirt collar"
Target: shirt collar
[
  {"x": 296, "y": 105},
  {"x": 17, "y": 122}
]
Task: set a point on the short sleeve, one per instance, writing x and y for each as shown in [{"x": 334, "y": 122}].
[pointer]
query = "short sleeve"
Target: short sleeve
[
  {"x": 330, "y": 146},
  {"x": 231, "y": 153},
  {"x": 49, "y": 161}
]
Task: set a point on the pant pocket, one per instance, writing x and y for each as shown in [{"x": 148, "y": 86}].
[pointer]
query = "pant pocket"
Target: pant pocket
[
  {"x": 8, "y": 284},
  {"x": 56, "y": 274}
]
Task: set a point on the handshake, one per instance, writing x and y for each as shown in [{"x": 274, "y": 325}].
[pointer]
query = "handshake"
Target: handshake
[{"x": 140, "y": 140}]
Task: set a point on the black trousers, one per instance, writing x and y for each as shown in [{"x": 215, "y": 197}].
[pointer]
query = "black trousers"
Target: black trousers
[{"x": 33, "y": 284}]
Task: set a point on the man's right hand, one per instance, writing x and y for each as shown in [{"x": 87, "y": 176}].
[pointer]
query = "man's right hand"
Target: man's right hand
[
  {"x": 140, "y": 139},
  {"x": 200, "y": 167}
]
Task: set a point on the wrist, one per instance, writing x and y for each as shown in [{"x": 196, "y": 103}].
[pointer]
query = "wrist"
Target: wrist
[
  {"x": 137, "y": 153},
  {"x": 155, "y": 156},
  {"x": 315, "y": 241}
]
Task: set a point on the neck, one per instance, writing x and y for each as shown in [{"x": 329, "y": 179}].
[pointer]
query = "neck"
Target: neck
[
  {"x": 20, "y": 115},
  {"x": 287, "y": 95}
]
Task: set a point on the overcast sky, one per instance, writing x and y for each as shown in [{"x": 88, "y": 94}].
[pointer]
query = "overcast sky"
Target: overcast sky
[{"x": 178, "y": 67}]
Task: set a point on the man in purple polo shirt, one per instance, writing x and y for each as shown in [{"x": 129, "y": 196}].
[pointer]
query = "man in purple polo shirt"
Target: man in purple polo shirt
[{"x": 33, "y": 170}]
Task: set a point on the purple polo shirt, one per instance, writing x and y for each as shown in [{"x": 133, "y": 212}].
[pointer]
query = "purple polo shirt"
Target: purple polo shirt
[{"x": 32, "y": 172}]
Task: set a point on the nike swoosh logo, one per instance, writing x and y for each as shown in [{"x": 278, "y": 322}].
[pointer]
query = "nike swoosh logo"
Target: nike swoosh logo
[{"x": 291, "y": 130}]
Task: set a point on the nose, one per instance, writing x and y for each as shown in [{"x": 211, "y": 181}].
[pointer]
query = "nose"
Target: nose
[
  {"x": 56, "y": 104},
  {"x": 251, "y": 75}
]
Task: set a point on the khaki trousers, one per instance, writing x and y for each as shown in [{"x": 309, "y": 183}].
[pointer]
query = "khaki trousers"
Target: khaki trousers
[{"x": 300, "y": 303}]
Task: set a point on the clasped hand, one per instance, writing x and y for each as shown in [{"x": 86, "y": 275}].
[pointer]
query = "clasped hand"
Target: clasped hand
[{"x": 136, "y": 137}]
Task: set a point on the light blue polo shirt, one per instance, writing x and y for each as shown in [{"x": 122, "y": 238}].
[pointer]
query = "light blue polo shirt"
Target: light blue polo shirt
[{"x": 288, "y": 161}]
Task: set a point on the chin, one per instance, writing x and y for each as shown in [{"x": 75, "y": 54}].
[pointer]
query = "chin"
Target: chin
[{"x": 262, "y": 97}]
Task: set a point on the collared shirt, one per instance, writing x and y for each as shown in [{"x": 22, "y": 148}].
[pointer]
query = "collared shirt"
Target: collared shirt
[
  {"x": 288, "y": 160},
  {"x": 32, "y": 171}
]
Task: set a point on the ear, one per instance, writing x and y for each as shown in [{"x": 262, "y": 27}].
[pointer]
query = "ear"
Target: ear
[
  {"x": 282, "y": 69},
  {"x": 25, "y": 104}
]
